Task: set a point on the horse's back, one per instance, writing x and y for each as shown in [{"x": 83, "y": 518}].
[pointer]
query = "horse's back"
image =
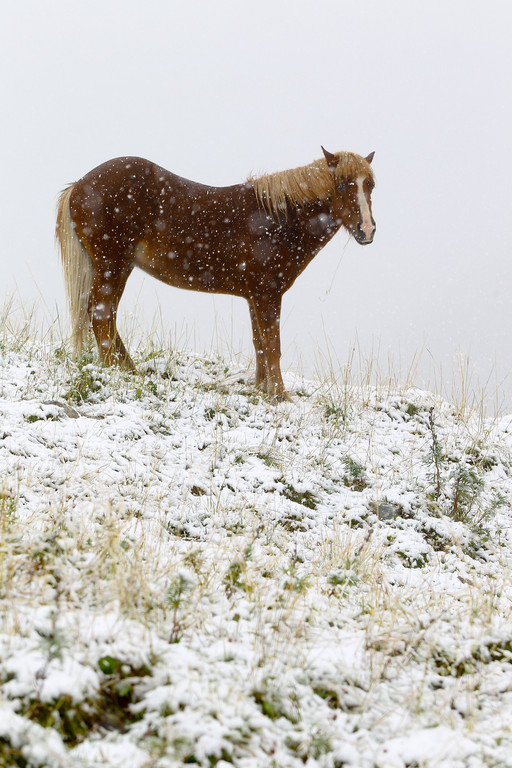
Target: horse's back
[
  {"x": 133, "y": 192},
  {"x": 129, "y": 178}
]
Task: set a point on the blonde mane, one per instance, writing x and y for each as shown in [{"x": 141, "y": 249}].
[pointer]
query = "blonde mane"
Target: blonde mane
[{"x": 309, "y": 183}]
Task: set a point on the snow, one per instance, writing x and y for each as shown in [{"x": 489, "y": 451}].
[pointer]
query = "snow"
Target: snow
[{"x": 190, "y": 573}]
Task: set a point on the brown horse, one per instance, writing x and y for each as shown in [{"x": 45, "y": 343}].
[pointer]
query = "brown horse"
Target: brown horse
[{"x": 250, "y": 240}]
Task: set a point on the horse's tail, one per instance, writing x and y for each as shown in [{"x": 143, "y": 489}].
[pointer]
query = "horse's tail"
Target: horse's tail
[{"x": 78, "y": 272}]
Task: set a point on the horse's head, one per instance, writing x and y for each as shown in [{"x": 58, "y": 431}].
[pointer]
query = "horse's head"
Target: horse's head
[{"x": 353, "y": 185}]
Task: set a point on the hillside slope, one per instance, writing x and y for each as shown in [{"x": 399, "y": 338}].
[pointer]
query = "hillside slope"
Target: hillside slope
[{"x": 191, "y": 575}]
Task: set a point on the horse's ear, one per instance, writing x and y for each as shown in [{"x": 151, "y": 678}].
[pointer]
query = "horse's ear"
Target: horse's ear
[
  {"x": 332, "y": 160},
  {"x": 369, "y": 157}
]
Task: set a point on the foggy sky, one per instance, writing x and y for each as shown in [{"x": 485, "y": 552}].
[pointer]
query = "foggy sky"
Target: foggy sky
[{"x": 215, "y": 91}]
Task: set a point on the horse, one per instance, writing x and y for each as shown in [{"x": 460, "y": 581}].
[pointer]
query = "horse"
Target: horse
[{"x": 250, "y": 240}]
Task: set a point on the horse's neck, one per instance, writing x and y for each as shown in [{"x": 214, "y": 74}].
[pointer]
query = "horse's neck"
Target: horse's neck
[{"x": 313, "y": 226}]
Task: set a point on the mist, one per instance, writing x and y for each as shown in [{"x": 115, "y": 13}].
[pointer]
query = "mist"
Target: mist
[{"x": 214, "y": 92}]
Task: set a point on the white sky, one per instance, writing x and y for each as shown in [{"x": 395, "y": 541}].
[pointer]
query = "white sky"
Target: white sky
[{"x": 215, "y": 90}]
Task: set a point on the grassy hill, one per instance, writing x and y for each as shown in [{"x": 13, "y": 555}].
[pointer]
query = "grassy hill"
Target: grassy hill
[{"x": 192, "y": 575}]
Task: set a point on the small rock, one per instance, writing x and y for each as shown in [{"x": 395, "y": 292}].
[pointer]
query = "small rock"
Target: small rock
[
  {"x": 385, "y": 511},
  {"x": 68, "y": 409}
]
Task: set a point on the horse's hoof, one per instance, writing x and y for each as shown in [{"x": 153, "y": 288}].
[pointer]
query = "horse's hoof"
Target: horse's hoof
[
  {"x": 276, "y": 397},
  {"x": 282, "y": 397}
]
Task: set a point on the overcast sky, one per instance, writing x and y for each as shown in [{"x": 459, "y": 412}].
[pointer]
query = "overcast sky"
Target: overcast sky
[{"x": 216, "y": 90}]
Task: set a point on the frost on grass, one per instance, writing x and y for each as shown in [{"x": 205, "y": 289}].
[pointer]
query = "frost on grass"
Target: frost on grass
[{"x": 191, "y": 575}]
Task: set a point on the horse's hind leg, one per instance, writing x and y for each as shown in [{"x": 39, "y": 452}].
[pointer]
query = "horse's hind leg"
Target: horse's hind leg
[{"x": 107, "y": 288}]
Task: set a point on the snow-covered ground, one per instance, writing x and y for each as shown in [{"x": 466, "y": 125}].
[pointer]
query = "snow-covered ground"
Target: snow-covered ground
[{"x": 192, "y": 575}]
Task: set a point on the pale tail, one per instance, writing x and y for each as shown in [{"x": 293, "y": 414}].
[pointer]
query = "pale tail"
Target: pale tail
[{"x": 78, "y": 272}]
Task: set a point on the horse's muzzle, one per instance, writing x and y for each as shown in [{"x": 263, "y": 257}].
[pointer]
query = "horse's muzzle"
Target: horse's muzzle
[{"x": 361, "y": 237}]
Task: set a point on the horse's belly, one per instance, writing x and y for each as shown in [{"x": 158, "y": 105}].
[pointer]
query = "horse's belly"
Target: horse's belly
[{"x": 192, "y": 271}]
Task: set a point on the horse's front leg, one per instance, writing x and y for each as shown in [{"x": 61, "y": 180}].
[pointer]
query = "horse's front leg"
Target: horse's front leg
[
  {"x": 261, "y": 368},
  {"x": 265, "y": 316}
]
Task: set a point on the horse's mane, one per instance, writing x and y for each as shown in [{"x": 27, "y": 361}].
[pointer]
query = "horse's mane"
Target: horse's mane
[{"x": 309, "y": 183}]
